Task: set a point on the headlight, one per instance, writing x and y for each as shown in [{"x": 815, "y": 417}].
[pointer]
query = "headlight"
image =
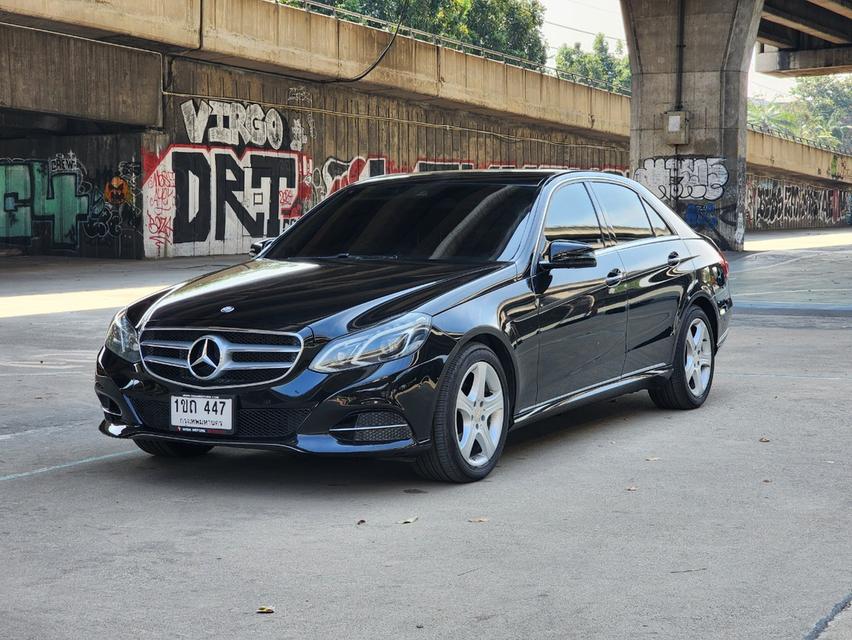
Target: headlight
[
  {"x": 388, "y": 341},
  {"x": 122, "y": 339}
]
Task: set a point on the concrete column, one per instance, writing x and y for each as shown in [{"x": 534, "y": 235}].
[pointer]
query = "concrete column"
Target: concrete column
[{"x": 688, "y": 128}]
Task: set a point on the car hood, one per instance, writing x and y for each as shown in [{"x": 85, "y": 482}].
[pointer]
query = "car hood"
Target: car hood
[{"x": 332, "y": 297}]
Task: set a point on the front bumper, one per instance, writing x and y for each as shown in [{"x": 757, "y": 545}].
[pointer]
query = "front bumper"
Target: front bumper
[{"x": 379, "y": 411}]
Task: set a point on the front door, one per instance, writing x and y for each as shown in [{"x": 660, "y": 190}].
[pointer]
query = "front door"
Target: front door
[{"x": 582, "y": 311}]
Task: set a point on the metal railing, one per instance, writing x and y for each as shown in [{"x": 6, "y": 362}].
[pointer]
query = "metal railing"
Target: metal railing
[
  {"x": 779, "y": 133},
  {"x": 451, "y": 43}
]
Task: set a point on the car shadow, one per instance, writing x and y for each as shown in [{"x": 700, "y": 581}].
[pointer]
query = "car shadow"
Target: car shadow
[{"x": 238, "y": 471}]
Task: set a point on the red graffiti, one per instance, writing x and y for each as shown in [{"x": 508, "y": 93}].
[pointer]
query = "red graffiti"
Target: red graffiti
[
  {"x": 162, "y": 191},
  {"x": 160, "y": 228}
]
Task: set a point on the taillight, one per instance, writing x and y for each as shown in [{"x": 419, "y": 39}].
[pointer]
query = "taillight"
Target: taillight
[{"x": 726, "y": 266}]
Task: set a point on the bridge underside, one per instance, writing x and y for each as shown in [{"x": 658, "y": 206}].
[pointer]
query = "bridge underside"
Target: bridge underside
[{"x": 805, "y": 38}]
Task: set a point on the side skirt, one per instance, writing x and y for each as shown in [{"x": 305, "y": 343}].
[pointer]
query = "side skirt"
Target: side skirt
[{"x": 636, "y": 381}]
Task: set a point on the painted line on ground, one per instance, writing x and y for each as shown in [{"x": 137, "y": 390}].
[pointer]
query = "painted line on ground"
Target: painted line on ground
[
  {"x": 66, "y": 465},
  {"x": 822, "y": 625}
]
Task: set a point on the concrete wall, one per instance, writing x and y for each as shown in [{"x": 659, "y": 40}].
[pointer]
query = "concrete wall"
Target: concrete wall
[
  {"x": 74, "y": 77},
  {"x": 245, "y": 153},
  {"x": 775, "y": 201},
  {"x": 72, "y": 195}
]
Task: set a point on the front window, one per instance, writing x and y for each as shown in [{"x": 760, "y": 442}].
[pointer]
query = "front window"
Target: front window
[{"x": 462, "y": 220}]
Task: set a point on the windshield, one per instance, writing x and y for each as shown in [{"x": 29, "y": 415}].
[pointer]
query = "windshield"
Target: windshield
[{"x": 414, "y": 219}]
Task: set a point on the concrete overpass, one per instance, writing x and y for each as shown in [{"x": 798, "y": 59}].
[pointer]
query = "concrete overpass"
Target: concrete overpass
[
  {"x": 192, "y": 126},
  {"x": 805, "y": 38}
]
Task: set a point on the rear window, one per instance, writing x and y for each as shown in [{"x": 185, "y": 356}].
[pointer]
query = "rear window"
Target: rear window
[{"x": 624, "y": 211}]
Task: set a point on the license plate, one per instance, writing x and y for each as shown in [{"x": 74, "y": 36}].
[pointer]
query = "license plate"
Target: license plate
[{"x": 202, "y": 414}]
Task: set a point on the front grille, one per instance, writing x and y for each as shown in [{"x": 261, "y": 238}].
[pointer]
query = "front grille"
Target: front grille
[
  {"x": 234, "y": 358},
  {"x": 251, "y": 424}
]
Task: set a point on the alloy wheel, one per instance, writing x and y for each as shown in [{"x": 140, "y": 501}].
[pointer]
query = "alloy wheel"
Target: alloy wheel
[
  {"x": 698, "y": 357},
  {"x": 480, "y": 415}
]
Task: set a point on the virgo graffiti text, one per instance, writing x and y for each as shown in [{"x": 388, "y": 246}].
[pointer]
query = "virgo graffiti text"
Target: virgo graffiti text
[{"x": 233, "y": 123}]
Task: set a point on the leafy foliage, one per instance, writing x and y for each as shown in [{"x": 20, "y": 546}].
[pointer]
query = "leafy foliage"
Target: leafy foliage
[
  {"x": 821, "y": 110},
  {"x": 600, "y": 64},
  {"x": 508, "y": 26}
]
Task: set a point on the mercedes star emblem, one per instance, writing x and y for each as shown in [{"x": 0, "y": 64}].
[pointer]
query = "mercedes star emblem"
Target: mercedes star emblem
[{"x": 206, "y": 357}]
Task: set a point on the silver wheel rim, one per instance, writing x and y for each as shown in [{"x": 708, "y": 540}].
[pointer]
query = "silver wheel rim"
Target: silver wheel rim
[
  {"x": 479, "y": 414},
  {"x": 698, "y": 357}
]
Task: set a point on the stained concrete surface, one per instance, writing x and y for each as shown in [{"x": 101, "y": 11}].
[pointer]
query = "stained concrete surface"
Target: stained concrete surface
[{"x": 724, "y": 536}]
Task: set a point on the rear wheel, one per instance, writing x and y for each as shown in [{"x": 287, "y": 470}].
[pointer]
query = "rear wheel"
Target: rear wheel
[
  {"x": 471, "y": 419},
  {"x": 694, "y": 365},
  {"x": 166, "y": 449}
]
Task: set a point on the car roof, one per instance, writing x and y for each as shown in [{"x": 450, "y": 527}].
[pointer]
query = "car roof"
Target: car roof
[{"x": 532, "y": 177}]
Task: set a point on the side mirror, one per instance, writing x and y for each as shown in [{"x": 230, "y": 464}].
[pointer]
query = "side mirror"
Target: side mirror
[
  {"x": 567, "y": 254},
  {"x": 257, "y": 247}
]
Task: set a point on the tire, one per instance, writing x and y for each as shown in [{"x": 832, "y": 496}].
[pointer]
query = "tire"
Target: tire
[
  {"x": 468, "y": 425},
  {"x": 684, "y": 390},
  {"x": 166, "y": 449}
]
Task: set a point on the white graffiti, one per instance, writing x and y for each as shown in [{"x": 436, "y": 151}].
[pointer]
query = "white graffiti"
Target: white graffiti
[
  {"x": 298, "y": 134},
  {"x": 234, "y": 123},
  {"x": 684, "y": 178}
]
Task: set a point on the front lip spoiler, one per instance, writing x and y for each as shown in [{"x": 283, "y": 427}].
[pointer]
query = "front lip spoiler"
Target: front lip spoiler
[{"x": 313, "y": 444}]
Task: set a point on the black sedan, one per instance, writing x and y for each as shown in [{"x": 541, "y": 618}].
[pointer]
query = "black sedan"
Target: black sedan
[{"x": 425, "y": 316}]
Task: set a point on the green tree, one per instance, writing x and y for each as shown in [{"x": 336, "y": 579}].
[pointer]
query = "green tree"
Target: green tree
[
  {"x": 820, "y": 110},
  {"x": 770, "y": 114},
  {"x": 827, "y": 103},
  {"x": 600, "y": 64},
  {"x": 508, "y": 26}
]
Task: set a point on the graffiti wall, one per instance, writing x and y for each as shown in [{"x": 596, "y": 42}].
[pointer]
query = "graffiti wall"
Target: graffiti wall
[
  {"x": 782, "y": 203},
  {"x": 229, "y": 171},
  {"x": 76, "y": 196},
  {"x": 695, "y": 187}
]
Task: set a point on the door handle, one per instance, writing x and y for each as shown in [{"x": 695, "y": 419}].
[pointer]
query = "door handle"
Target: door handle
[
  {"x": 674, "y": 259},
  {"x": 614, "y": 277}
]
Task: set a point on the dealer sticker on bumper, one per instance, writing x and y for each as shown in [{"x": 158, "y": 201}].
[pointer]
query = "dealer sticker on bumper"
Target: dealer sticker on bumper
[{"x": 202, "y": 414}]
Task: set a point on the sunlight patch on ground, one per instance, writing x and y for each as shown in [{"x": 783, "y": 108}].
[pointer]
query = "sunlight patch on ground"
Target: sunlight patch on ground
[
  {"x": 805, "y": 239},
  {"x": 43, "y": 303}
]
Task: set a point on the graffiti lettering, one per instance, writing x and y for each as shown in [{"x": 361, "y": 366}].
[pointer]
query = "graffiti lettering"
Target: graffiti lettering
[
  {"x": 684, "y": 178},
  {"x": 782, "y": 204},
  {"x": 233, "y": 123},
  {"x": 54, "y": 203},
  {"x": 159, "y": 229},
  {"x": 201, "y": 193}
]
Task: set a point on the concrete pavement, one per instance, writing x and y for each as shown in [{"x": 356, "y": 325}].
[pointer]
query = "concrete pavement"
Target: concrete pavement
[{"x": 724, "y": 536}]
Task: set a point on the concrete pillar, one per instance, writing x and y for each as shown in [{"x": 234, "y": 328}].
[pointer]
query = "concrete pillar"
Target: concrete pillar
[{"x": 688, "y": 129}]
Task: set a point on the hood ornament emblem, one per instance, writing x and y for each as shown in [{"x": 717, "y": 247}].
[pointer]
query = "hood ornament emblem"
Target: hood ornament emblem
[{"x": 227, "y": 309}]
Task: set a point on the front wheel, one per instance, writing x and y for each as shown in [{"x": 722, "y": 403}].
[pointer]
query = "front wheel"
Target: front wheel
[
  {"x": 471, "y": 419},
  {"x": 694, "y": 365}
]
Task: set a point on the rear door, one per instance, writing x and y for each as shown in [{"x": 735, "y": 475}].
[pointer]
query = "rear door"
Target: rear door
[
  {"x": 582, "y": 311},
  {"x": 654, "y": 280}
]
